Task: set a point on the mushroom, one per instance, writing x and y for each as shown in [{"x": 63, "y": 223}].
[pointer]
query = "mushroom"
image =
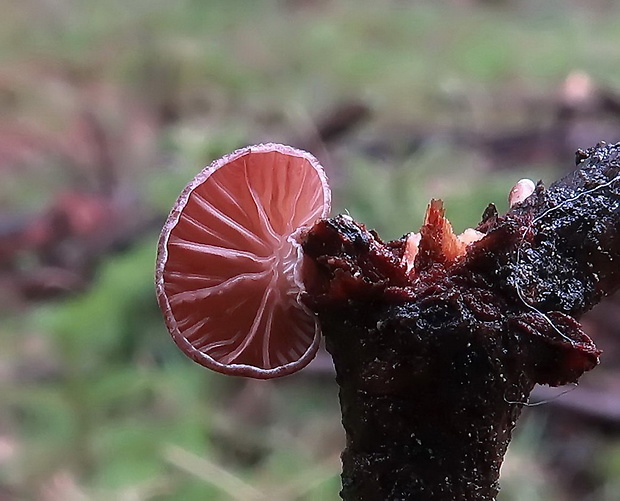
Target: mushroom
[
  {"x": 229, "y": 265},
  {"x": 520, "y": 191},
  {"x": 436, "y": 240}
]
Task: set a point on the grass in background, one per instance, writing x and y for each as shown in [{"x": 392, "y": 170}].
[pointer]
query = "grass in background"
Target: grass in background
[{"x": 97, "y": 404}]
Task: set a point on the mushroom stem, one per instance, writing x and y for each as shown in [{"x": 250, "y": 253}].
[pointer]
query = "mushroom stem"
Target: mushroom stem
[{"x": 434, "y": 364}]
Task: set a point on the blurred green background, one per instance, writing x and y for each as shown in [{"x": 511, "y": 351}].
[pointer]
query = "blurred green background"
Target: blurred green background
[{"x": 108, "y": 108}]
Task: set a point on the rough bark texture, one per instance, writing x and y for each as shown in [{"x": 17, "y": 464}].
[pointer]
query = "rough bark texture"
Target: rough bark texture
[{"x": 434, "y": 364}]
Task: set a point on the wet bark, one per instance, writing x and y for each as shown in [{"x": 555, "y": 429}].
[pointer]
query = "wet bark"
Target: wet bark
[{"x": 434, "y": 364}]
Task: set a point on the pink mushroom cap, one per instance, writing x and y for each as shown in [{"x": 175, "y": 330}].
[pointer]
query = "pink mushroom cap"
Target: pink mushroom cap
[{"x": 228, "y": 274}]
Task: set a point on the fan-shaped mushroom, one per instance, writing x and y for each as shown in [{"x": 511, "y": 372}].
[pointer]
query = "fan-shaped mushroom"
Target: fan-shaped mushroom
[{"x": 228, "y": 267}]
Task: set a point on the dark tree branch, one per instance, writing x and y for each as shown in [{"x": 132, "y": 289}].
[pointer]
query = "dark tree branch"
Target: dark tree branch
[{"x": 434, "y": 366}]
